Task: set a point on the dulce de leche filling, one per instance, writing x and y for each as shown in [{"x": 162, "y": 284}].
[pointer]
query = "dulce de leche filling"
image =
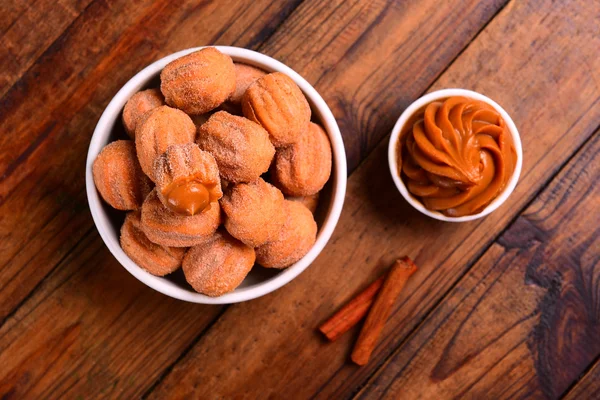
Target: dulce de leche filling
[
  {"x": 189, "y": 197},
  {"x": 456, "y": 156}
]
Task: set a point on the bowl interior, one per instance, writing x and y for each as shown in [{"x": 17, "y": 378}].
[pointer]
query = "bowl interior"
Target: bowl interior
[
  {"x": 418, "y": 105},
  {"x": 260, "y": 280}
]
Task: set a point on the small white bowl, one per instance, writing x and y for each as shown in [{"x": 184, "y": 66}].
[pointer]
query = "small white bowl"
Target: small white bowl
[
  {"x": 393, "y": 153},
  {"x": 260, "y": 281}
]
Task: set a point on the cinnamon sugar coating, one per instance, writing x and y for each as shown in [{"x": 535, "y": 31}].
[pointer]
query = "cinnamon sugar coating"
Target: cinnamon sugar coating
[
  {"x": 218, "y": 265},
  {"x": 164, "y": 127},
  {"x": 137, "y": 108},
  {"x": 164, "y": 227},
  {"x": 198, "y": 82},
  {"x": 296, "y": 238},
  {"x": 278, "y": 105},
  {"x": 151, "y": 257},
  {"x": 245, "y": 75},
  {"x": 119, "y": 177},
  {"x": 254, "y": 212},
  {"x": 241, "y": 147},
  {"x": 182, "y": 164},
  {"x": 303, "y": 168}
]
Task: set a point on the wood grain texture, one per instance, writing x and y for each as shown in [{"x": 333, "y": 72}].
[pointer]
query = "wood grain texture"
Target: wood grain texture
[
  {"x": 41, "y": 189},
  {"x": 27, "y": 30},
  {"x": 275, "y": 348},
  {"x": 370, "y": 59},
  {"x": 525, "y": 321},
  {"x": 588, "y": 387},
  {"x": 90, "y": 327},
  {"x": 93, "y": 330},
  {"x": 50, "y": 114}
]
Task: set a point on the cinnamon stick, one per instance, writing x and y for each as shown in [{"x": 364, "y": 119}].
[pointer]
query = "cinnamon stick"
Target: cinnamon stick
[
  {"x": 382, "y": 306},
  {"x": 352, "y": 312}
]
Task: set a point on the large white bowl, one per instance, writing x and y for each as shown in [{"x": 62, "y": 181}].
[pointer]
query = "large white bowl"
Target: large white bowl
[
  {"x": 260, "y": 281},
  {"x": 418, "y": 105}
]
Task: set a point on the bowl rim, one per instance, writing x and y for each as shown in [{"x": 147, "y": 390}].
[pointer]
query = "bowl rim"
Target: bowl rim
[
  {"x": 393, "y": 152},
  {"x": 112, "y": 115}
]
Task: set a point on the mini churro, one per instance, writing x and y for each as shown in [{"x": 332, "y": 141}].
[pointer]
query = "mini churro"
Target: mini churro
[
  {"x": 154, "y": 258},
  {"x": 163, "y": 226},
  {"x": 218, "y": 265},
  {"x": 254, "y": 212},
  {"x": 119, "y": 177}
]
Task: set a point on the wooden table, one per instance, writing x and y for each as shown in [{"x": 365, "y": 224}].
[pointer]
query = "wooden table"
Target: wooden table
[{"x": 503, "y": 307}]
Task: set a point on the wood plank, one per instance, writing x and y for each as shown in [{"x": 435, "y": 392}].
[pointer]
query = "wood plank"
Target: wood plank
[
  {"x": 270, "y": 345},
  {"x": 588, "y": 386},
  {"x": 525, "y": 321},
  {"x": 93, "y": 330},
  {"x": 28, "y": 30},
  {"x": 370, "y": 59},
  {"x": 43, "y": 154},
  {"x": 9, "y": 13}
]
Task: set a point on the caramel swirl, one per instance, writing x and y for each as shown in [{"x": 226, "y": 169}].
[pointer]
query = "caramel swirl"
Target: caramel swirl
[{"x": 456, "y": 156}]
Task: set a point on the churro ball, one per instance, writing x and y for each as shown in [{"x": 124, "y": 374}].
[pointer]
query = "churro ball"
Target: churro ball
[
  {"x": 303, "y": 168},
  {"x": 277, "y": 103},
  {"x": 154, "y": 258},
  {"x": 245, "y": 75},
  {"x": 311, "y": 201},
  {"x": 218, "y": 265},
  {"x": 187, "y": 179},
  {"x": 119, "y": 177},
  {"x": 254, "y": 212},
  {"x": 198, "y": 82},
  {"x": 241, "y": 147},
  {"x": 137, "y": 107},
  {"x": 163, "y": 226},
  {"x": 163, "y": 127},
  {"x": 295, "y": 239}
]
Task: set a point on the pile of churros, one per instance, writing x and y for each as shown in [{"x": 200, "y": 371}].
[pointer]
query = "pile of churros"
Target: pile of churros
[{"x": 222, "y": 171}]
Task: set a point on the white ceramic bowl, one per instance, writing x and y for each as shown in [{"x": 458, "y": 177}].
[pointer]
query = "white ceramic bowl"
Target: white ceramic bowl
[
  {"x": 393, "y": 153},
  {"x": 260, "y": 281}
]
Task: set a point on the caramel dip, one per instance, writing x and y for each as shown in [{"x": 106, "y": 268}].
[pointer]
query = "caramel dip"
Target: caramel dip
[{"x": 456, "y": 155}]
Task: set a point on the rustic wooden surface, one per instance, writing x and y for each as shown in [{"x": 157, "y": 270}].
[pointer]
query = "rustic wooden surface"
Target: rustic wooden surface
[
  {"x": 506, "y": 306},
  {"x": 590, "y": 383},
  {"x": 536, "y": 290}
]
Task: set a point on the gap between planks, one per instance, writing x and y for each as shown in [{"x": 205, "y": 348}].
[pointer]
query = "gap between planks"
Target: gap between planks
[{"x": 582, "y": 376}]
